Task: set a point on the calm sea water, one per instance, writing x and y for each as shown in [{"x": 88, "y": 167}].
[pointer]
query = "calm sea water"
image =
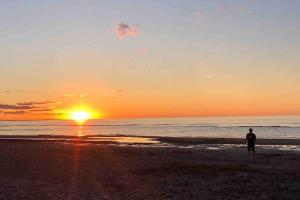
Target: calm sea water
[{"x": 227, "y": 127}]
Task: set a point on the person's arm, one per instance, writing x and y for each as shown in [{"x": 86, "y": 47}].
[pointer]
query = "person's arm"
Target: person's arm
[{"x": 254, "y": 138}]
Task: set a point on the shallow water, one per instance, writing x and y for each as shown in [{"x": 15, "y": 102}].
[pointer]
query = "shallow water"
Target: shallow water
[
  {"x": 143, "y": 142},
  {"x": 241, "y": 146},
  {"x": 114, "y": 139},
  {"x": 216, "y": 127}
]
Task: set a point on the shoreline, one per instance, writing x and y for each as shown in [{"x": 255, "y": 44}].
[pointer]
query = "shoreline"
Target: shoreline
[
  {"x": 214, "y": 144},
  {"x": 169, "y": 140}
]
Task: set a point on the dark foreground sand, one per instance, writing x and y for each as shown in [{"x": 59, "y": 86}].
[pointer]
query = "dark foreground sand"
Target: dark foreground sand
[{"x": 57, "y": 170}]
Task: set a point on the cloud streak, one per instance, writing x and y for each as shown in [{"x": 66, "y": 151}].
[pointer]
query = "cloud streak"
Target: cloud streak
[
  {"x": 19, "y": 112},
  {"x": 123, "y": 30},
  {"x": 35, "y": 103},
  {"x": 32, "y": 107},
  {"x": 16, "y": 107}
]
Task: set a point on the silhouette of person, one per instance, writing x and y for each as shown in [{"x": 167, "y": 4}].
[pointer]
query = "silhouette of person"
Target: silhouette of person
[{"x": 251, "y": 140}]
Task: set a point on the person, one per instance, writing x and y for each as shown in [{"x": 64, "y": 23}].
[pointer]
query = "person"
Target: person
[{"x": 251, "y": 140}]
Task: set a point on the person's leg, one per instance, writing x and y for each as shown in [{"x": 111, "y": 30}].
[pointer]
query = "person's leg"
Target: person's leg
[
  {"x": 249, "y": 153},
  {"x": 251, "y": 148}
]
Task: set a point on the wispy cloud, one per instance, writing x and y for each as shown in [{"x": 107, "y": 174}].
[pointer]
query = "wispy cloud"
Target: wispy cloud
[
  {"x": 19, "y": 112},
  {"x": 35, "y": 103},
  {"x": 123, "y": 30},
  {"x": 41, "y": 110},
  {"x": 32, "y": 107},
  {"x": 16, "y": 107}
]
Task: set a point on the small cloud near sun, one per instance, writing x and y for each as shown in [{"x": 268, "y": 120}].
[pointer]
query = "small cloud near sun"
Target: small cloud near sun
[{"x": 123, "y": 30}]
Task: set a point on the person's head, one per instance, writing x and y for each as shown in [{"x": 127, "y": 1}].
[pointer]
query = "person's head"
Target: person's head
[{"x": 250, "y": 130}]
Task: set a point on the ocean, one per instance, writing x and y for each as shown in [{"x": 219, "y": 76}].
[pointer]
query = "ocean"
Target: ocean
[{"x": 287, "y": 127}]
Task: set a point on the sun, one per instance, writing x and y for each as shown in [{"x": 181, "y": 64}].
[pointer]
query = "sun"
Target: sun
[
  {"x": 80, "y": 116},
  {"x": 79, "y": 113}
]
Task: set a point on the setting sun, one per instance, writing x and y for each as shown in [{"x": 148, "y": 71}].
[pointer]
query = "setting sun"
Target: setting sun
[
  {"x": 80, "y": 116},
  {"x": 79, "y": 113}
]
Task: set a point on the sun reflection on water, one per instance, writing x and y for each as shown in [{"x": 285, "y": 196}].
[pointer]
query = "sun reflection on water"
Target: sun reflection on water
[{"x": 79, "y": 131}]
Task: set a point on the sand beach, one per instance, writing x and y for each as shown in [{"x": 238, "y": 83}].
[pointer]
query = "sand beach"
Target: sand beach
[{"x": 40, "y": 169}]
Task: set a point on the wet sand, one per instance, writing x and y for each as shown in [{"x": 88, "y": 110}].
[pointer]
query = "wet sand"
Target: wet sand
[{"x": 84, "y": 170}]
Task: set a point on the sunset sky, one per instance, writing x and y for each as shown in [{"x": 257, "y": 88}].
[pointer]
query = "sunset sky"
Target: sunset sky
[{"x": 138, "y": 58}]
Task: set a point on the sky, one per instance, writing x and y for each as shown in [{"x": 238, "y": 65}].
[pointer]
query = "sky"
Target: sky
[{"x": 138, "y": 58}]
